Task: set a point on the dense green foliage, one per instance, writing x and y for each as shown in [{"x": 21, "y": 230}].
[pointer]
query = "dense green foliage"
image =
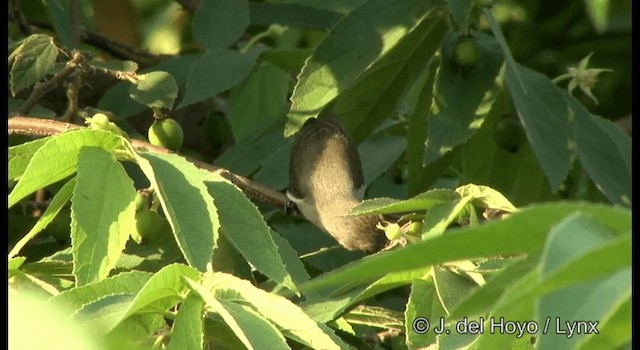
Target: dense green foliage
[{"x": 486, "y": 127}]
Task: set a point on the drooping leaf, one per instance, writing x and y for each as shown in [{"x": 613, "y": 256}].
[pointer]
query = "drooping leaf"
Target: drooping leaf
[
  {"x": 422, "y": 314},
  {"x": 245, "y": 228},
  {"x": 20, "y": 156},
  {"x": 60, "y": 12},
  {"x": 360, "y": 39},
  {"x": 258, "y": 102},
  {"x": 58, "y": 158},
  {"x": 187, "y": 331},
  {"x": 460, "y": 11},
  {"x": 249, "y": 326},
  {"x": 124, "y": 283},
  {"x": 162, "y": 290},
  {"x": 459, "y": 95},
  {"x": 53, "y": 209},
  {"x": 291, "y": 15},
  {"x": 288, "y": 317},
  {"x": 102, "y": 214},
  {"x": 33, "y": 60},
  {"x": 604, "y": 151},
  {"x": 216, "y": 71},
  {"x": 375, "y": 94},
  {"x": 543, "y": 113},
  {"x": 155, "y": 89},
  {"x": 186, "y": 203},
  {"x": 219, "y": 23}
]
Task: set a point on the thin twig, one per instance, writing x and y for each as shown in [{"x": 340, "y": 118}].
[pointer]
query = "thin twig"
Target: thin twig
[
  {"x": 72, "y": 97},
  {"x": 42, "y": 88},
  {"x": 20, "y": 125}
]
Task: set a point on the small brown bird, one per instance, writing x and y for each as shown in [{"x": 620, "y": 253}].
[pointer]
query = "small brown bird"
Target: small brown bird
[{"x": 326, "y": 181}]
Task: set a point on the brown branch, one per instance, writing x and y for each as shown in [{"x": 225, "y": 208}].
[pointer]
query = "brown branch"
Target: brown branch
[
  {"x": 20, "y": 125},
  {"x": 114, "y": 48}
]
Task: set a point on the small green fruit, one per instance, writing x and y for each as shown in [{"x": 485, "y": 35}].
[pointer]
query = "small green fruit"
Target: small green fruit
[
  {"x": 466, "y": 53},
  {"x": 392, "y": 231},
  {"x": 166, "y": 133},
  {"x": 142, "y": 202},
  {"x": 150, "y": 225},
  {"x": 508, "y": 133},
  {"x": 415, "y": 228}
]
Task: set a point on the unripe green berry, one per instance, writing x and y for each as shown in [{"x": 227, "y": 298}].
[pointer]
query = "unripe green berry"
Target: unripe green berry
[{"x": 166, "y": 133}]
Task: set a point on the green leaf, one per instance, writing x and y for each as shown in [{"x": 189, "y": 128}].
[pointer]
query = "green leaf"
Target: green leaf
[
  {"x": 615, "y": 328},
  {"x": 378, "y": 153},
  {"x": 612, "y": 257},
  {"x": 216, "y": 71},
  {"x": 293, "y": 264},
  {"x": 102, "y": 214},
  {"x": 244, "y": 158},
  {"x": 422, "y": 304},
  {"x": 356, "y": 42},
  {"x": 188, "y": 327},
  {"x": 288, "y": 317},
  {"x": 422, "y": 201},
  {"x": 219, "y": 23},
  {"x": 20, "y": 156},
  {"x": 58, "y": 158},
  {"x": 15, "y": 263},
  {"x": 118, "y": 100},
  {"x": 450, "y": 288},
  {"x": 258, "y": 102},
  {"x": 460, "y": 10},
  {"x": 74, "y": 299},
  {"x": 115, "y": 65},
  {"x": 459, "y": 95},
  {"x": 60, "y": 12},
  {"x": 164, "y": 289},
  {"x": 486, "y": 197},
  {"x": 106, "y": 311},
  {"x": 183, "y": 195},
  {"x": 254, "y": 331},
  {"x": 245, "y": 228},
  {"x": 37, "y": 111},
  {"x": 583, "y": 233},
  {"x": 339, "y": 6},
  {"x": 155, "y": 89},
  {"x": 604, "y": 151},
  {"x": 33, "y": 61},
  {"x": 292, "y": 16},
  {"x": 544, "y": 115},
  {"x": 420, "y": 178},
  {"x": 589, "y": 301},
  {"x": 375, "y": 94},
  {"x": 376, "y": 316},
  {"x": 440, "y": 216},
  {"x": 516, "y": 175},
  {"x": 21, "y": 282},
  {"x": 53, "y": 209},
  {"x": 482, "y": 299},
  {"x": 598, "y": 11},
  {"x": 493, "y": 238}
]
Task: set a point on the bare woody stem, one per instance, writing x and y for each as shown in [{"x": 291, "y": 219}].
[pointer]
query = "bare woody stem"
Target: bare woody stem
[{"x": 20, "y": 125}]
